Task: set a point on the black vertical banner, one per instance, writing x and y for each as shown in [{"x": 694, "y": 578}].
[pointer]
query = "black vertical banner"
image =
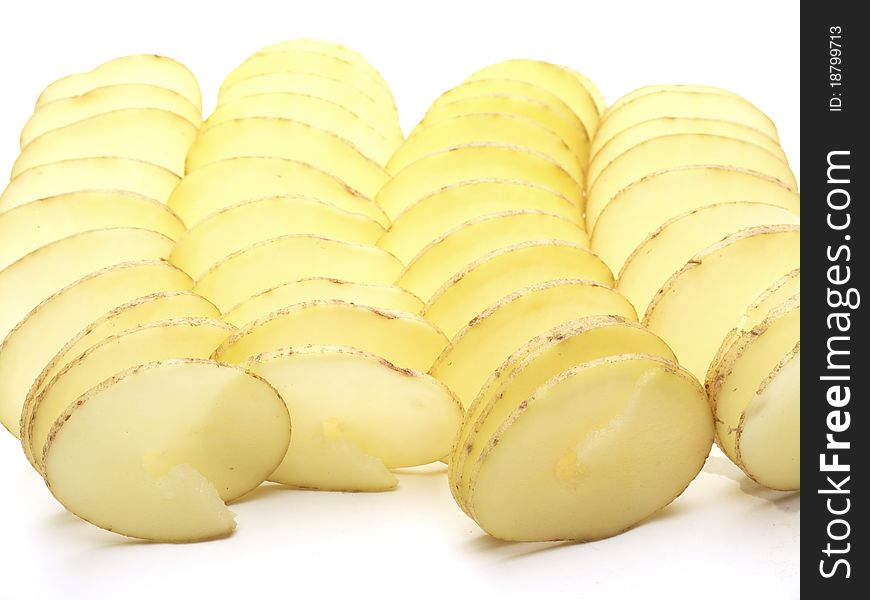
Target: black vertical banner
[{"x": 835, "y": 228}]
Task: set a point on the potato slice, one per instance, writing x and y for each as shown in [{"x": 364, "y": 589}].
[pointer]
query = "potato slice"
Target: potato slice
[
  {"x": 37, "y": 275},
  {"x": 387, "y": 297},
  {"x": 652, "y": 201},
  {"x": 264, "y": 265},
  {"x": 176, "y": 338},
  {"x": 672, "y": 245},
  {"x": 240, "y": 225},
  {"x": 30, "y": 226},
  {"x": 324, "y": 47},
  {"x": 67, "y": 111},
  {"x": 486, "y": 281},
  {"x": 679, "y": 150},
  {"x": 292, "y": 140},
  {"x": 667, "y": 87},
  {"x": 152, "y": 452},
  {"x": 482, "y": 345},
  {"x": 537, "y": 361},
  {"x": 594, "y": 92},
  {"x": 697, "y": 306},
  {"x": 36, "y": 339},
  {"x": 228, "y": 182},
  {"x": 150, "y": 134},
  {"x": 352, "y": 409},
  {"x": 149, "y": 69},
  {"x": 470, "y": 162},
  {"x": 468, "y": 242},
  {"x": 404, "y": 339},
  {"x": 593, "y": 451},
  {"x": 434, "y": 215},
  {"x": 317, "y": 112}
]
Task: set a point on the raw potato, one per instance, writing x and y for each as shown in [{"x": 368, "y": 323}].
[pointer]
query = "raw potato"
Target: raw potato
[
  {"x": 355, "y": 415},
  {"x": 486, "y": 281},
  {"x": 652, "y": 201},
  {"x": 325, "y": 47},
  {"x": 593, "y": 451},
  {"x": 89, "y": 174},
  {"x": 228, "y": 182},
  {"x": 235, "y": 227},
  {"x": 153, "y": 135},
  {"x": 404, "y": 339},
  {"x": 597, "y": 96},
  {"x": 264, "y": 265},
  {"x": 652, "y": 89},
  {"x": 482, "y": 345},
  {"x": 292, "y": 140},
  {"x": 153, "y": 452},
  {"x": 387, "y": 297}
]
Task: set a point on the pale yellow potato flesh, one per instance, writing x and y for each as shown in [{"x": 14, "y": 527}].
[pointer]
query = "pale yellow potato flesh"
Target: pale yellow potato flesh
[
  {"x": 439, "y": 212},
  {"x": 176, "y": 338},
  {"x": 697, "y": 306},
  {"x": 450, "y": 253},
  {"x": 28, "y": 348},
  {"x": 352, "y": 408},
  {"x": 655, "y": 199},
  {"x": 767, "y": 445},
  {"x": 482, "y": 345},
  {"x": 291, "y": 140},
  {"x": 469, "y": 162},
  {"x": 324, "y": 47},
  {"x": 493, "y": 127},
  {"x": 670, "y": 247},
  {"x": 149, "y": 134},
  {"x": 67, "y": 111},
  {"x": 540, "y": 359},
  {"x": 152, "y": 452},
  {"x": 317, "y": 112},
  {"x": 222, "y": 184},
  {"x": 666, "y": 87},
  {"x": 679, "y": 150},
  {"x": 404, "y": 339},
  {"x": 597, "y": 96},
  {"x": 28, "y": 227},
  {"x": 498, "y": 274},
  {"x": 593, "y": 452},
  {"x": 235, "y": 227},
  {"x": 264, "y": 265},
  {"x": 387, "y": 297},
  {"x": 148, "y": 69}
]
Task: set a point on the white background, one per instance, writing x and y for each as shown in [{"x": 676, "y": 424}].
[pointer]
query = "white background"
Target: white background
[{"x": 724, "y": 537}]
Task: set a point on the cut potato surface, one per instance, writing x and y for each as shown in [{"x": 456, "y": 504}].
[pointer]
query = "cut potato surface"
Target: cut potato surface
[
  {"x": 267, "y": 264},
  {"x": 152, "y": 452},
  {"x": 29, "y": 347},
  {"x": 387, "y": 297},
  {"x": 651, "y": 89},
  {"x": 235, "y": 227},
  {"x": 404, "y": 339},
  {"x": 597, "y": 96},
  {"x": 692, "y": 312},
  {"x": 31, "y": 226},
  {"x": 153, "y": 135},
  {"x": 236, "y": 180},
  {"x": 496, "y": 275},
  {"x": 323, "y": 47},
  {"x": 353, "y": 410},
  {"x": 593, "y": 452},
  {"x": 650, "y": 202},
  {"x": 89, "y": 174},
  {"x": 484, "y": 343},
  {"x": 669, "y": 248}
]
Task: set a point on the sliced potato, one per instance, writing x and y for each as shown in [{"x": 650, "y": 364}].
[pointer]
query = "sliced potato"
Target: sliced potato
[
  {"x": 152, "y": 452},
  {"x": 651, "y": 89},
  {"x": 150, "y": 134},
  {"x": 494, "y": 276},
  {"x": 594, "y": 92},
  {"x": 228, "y": 182},
  {"x": 387, "y": 297},
  {"x": 240, "y": 225},
  {"x": 593, "y": 451},
  {"x": 482, "y": 345},
  {"x": 264, "y": 265},
  {"x": 324, "y": 47},
  {"x": 404, "y": 339},
  {"x": 652, "y": 201},
  {"x": 353, "y": 411}
]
